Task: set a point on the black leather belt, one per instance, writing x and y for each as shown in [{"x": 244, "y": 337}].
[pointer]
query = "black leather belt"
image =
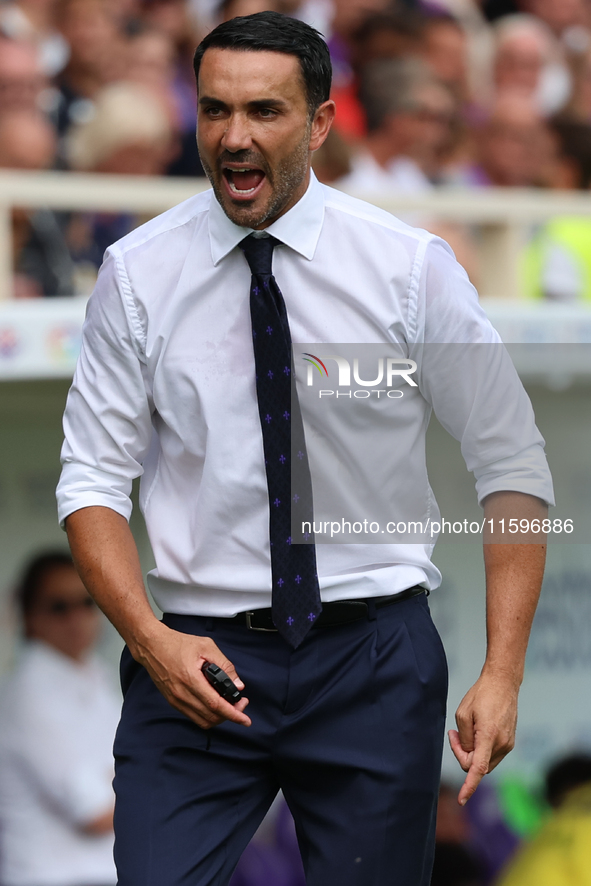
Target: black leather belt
[{"x": 339, "y": 612}]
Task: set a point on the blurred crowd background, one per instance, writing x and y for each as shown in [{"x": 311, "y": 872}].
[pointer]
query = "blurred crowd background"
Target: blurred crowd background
[
  {"x": 453, "y": 94},
  {"x": 430, "y": 93}
]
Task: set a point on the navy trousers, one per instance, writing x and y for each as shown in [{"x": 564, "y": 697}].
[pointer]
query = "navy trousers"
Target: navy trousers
[{"x": 350, "y": 727}]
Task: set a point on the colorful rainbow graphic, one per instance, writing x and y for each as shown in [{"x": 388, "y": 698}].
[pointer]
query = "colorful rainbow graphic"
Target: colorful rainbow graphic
[{"x": 315, "y": 361}]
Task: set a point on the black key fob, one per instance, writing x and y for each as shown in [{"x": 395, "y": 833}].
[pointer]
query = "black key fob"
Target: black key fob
[{"x": 221, "y": 682}]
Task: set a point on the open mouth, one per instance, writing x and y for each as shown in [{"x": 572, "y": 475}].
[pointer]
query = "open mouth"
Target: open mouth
[{"x": 243, "y": 181}]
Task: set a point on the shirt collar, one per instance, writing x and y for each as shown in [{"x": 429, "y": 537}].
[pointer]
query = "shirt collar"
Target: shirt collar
[{"x": 299, "y": 228}]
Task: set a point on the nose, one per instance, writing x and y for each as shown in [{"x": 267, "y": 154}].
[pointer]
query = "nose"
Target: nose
[{"x": 237, "y": 136}]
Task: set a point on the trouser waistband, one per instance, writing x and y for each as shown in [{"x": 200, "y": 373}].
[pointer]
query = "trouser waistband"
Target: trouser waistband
[{"x": 335, "y": 613}]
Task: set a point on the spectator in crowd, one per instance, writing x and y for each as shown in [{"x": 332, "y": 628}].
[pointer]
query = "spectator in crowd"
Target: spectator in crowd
[
  {"x": 560, "y": 854},
  {"x": 57, "y": 722},
  {"x": 559, "y": 15},
  {"x": 513, "y": 146},
  {"x": 408, "y": 117},
  {"x": 348, "y": 16},
  {"x": 557, "y": 261},
  {"x": 389, "y": 34},
  {"x": 130, "y": 133},
  {"x": 152, "y": 62},
  {"x": 528, "y": 59},
  {"x": 174, "y": 20},
  {"x": 22, "y": 82},
  {"x": 41, "y": 258},
  {"x": 97, "y": 57},
  {"x": 445, "y": 50},
  {"x": 33, "y": 21}
]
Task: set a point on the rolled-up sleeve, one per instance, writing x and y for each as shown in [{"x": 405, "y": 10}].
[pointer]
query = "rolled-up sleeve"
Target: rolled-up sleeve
[
  {"x": 469, "y": 379},
  {"x": 107, "y": 421}
]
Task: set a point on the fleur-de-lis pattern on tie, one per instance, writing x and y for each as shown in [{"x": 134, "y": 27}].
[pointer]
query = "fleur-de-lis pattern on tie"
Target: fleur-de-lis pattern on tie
[{"x": 296, "y": 597}]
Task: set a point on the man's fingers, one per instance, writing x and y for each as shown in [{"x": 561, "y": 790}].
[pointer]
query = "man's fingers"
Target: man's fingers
[
  {"x": 208, "y": 709},
  {"x": 465, "y": 731},
  {"x": 463, "y": 757},
  {"x": 478, "y": 769},
  {"x": 230, "y": 670}
]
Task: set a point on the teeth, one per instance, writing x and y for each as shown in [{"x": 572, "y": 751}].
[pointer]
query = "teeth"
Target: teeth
[{"x": 240, "y": 190}]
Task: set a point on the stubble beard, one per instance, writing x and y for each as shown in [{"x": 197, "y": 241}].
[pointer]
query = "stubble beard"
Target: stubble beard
[{"x": 284, "y": 180}]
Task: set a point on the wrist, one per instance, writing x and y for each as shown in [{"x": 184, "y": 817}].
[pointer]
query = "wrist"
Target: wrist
[
  {"x": 144, "y": 638},
  {"x": 511, "y": 676}
]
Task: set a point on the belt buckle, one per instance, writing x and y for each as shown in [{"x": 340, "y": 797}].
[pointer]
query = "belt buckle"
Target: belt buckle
[{"x": 248, "y": 616}]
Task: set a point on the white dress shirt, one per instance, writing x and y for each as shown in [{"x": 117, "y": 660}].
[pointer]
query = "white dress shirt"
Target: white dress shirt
[
  {"x": 57, "y": 725},
  {"x": 165, "y": 388}
]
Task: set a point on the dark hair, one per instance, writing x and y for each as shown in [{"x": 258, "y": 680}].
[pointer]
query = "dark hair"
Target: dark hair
[
  {"x": 34, "y": 573},
  {"x": 274, "y": 32},
  {"x": 566, "y": 774}
]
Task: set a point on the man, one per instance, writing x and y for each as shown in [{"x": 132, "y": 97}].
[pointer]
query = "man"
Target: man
[
  {"x": 409, "y": 115},
  {"x": 346, "y": 717},
  {"x": 58, "y": 716}
]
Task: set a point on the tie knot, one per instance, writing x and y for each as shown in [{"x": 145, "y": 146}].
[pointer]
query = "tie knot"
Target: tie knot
[{"x": 258, "y": 252}]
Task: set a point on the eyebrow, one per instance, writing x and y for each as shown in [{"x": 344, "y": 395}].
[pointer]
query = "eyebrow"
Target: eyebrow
[{"x": 257, "y": 103}]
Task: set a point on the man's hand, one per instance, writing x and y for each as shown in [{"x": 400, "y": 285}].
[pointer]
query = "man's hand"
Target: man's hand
[
  {"x": 486, "y": 719},
  {"x": 107, "y": 560},
  {"x": 174, "y": 662}
]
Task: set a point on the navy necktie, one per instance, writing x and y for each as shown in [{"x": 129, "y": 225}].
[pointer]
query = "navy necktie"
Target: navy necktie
[{"x": 296, "y": 597}]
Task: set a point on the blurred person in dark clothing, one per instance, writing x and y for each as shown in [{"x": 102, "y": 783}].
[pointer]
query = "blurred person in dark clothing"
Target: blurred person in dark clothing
[
  {"x": 454, "y": 864},
  {"x": 57, "y": 723},
  {"x": 41, "y": 259}
]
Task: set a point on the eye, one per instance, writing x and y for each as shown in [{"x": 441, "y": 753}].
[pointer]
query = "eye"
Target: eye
[
  {"x": 267, "y": 113},
  {"x": 213, "y": 111}
]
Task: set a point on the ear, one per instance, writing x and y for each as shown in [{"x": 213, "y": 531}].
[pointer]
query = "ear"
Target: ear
[{"x": 321, "y": 124}]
